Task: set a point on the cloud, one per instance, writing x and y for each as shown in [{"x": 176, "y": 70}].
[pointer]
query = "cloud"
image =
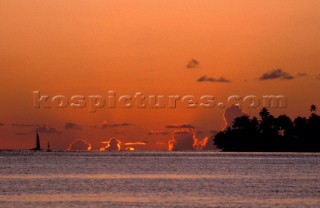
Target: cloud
[
  {"x": 24, "y": 125},
  {"x": 181, "y": 132},
  {"x": 80, "y": 144},
  {"x": 318, "y": 76},
  {"x": 111, "y": 144},
  {"x": 209, "y": 144},
  {"x": 196, "y": 131},
  {"x": 231, "y": 113},
  {"x": 199, "y": 144},
  {"x": 158, "y": 132},
  {"x": 193, "y": 63},
  {"x": 180, "y": 126},
  {"x": 136, "y": 143},
  {"x": 204, "y": 78},
  {"x": 1, "y": 124},
  {"x": 181, "y": 141},
  {"x": 105, "y": 124},
  {"x": 276, "y": 74},
  {"x": 302, "y": 74},
  {"x": 213, "y": 132},
  {"x": 186, "y": 139},
  {"x": 47, "y": 130},
  {"x": 70, "y": 125}
]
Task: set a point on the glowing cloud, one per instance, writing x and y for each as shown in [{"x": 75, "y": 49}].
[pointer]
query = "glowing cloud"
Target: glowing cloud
[
  {"x": 129, "y": 149},
  {"x": 135, "y": 143},
  {"x": 80, "y": 144},
  {"x": 111, "y": 144},
  {"x": 186, "y": 139}
]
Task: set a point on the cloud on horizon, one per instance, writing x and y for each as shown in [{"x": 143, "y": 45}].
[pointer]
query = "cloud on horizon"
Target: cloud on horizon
[
  {"x": 157, "y": 132},
  {"x": 301, "y": 74},
  {"x": 180, "y": 126},
  {"x": 70, "y": 125},
  {"x": 47, "y": 130},
  {"x": 186, "y": 139},
  {"x": 105, "y": 125},
  {"x": 193, "y": 63},
  {"x": 24, "y": 125},
  {"x": 112, "y": 144},
  {"x": 136, "y": 143},
  {"x": 231, "y": 113},
  {"x": 205, "y": 78},
  {"x": 79, "y": 144},
  {"x": 276, "y": 74}
]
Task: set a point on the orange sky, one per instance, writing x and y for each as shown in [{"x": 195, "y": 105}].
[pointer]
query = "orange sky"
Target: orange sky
[{"x": 89, "y": 47}]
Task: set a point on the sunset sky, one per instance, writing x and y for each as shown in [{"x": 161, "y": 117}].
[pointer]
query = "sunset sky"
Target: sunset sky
[{"x": 159, "y": 47}]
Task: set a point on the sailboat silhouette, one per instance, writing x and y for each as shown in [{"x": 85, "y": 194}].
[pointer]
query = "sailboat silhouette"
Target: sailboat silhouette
[
  {"x": 49, "y": 149},
  {"x": 38, "y": 147}
]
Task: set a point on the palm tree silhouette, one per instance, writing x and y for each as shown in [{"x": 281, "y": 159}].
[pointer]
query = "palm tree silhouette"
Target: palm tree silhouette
[
  {"x": 271, "y": 133},
  {"x": 313, "y": 108},
  {"x": 264, "y": 114}
]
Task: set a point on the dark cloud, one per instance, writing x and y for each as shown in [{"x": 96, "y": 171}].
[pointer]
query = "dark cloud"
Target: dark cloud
[
  {"x": 47, "y": 130},
  {"x": 193, "y": 63},
  {"x": 157, "y": 132},
  {"x": 1, "y": 124},
  {"x": 185, "y": 139},
  {"x": 111, "y": 144},
  {"x": 276, "y": 74},
  {"x": 106, "y": 125},
  {"x": 24, "y": 125},
  {"x": 70, "y": 125},
  {"x": 181, "y": 132},
  {"x": 79, "y": 144},
  {"x": 204, "y": 78},
  {"x": 231, "y": 113},
  {"x": 181, "y": 141},
  {"x": 180, "y": 126}
]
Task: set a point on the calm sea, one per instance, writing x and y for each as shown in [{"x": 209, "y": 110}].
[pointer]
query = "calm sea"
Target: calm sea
[{"x": 159, "y": 179}]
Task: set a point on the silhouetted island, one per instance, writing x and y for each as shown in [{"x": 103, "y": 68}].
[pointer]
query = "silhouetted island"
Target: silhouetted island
[{"x": 270, "y": 134}]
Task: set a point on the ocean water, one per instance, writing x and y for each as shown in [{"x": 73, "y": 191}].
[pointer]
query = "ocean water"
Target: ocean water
[{"x": 159, "y": 179}]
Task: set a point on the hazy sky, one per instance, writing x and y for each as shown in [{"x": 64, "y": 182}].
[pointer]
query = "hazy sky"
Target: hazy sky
[{"x": 84, "y": 47}]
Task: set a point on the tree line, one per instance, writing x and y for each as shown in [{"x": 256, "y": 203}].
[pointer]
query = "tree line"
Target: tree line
[{"x": 271, "y": 134}]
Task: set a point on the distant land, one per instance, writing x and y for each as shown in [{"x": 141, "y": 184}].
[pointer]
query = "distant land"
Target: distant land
[{"x": 270, "y": 134}]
